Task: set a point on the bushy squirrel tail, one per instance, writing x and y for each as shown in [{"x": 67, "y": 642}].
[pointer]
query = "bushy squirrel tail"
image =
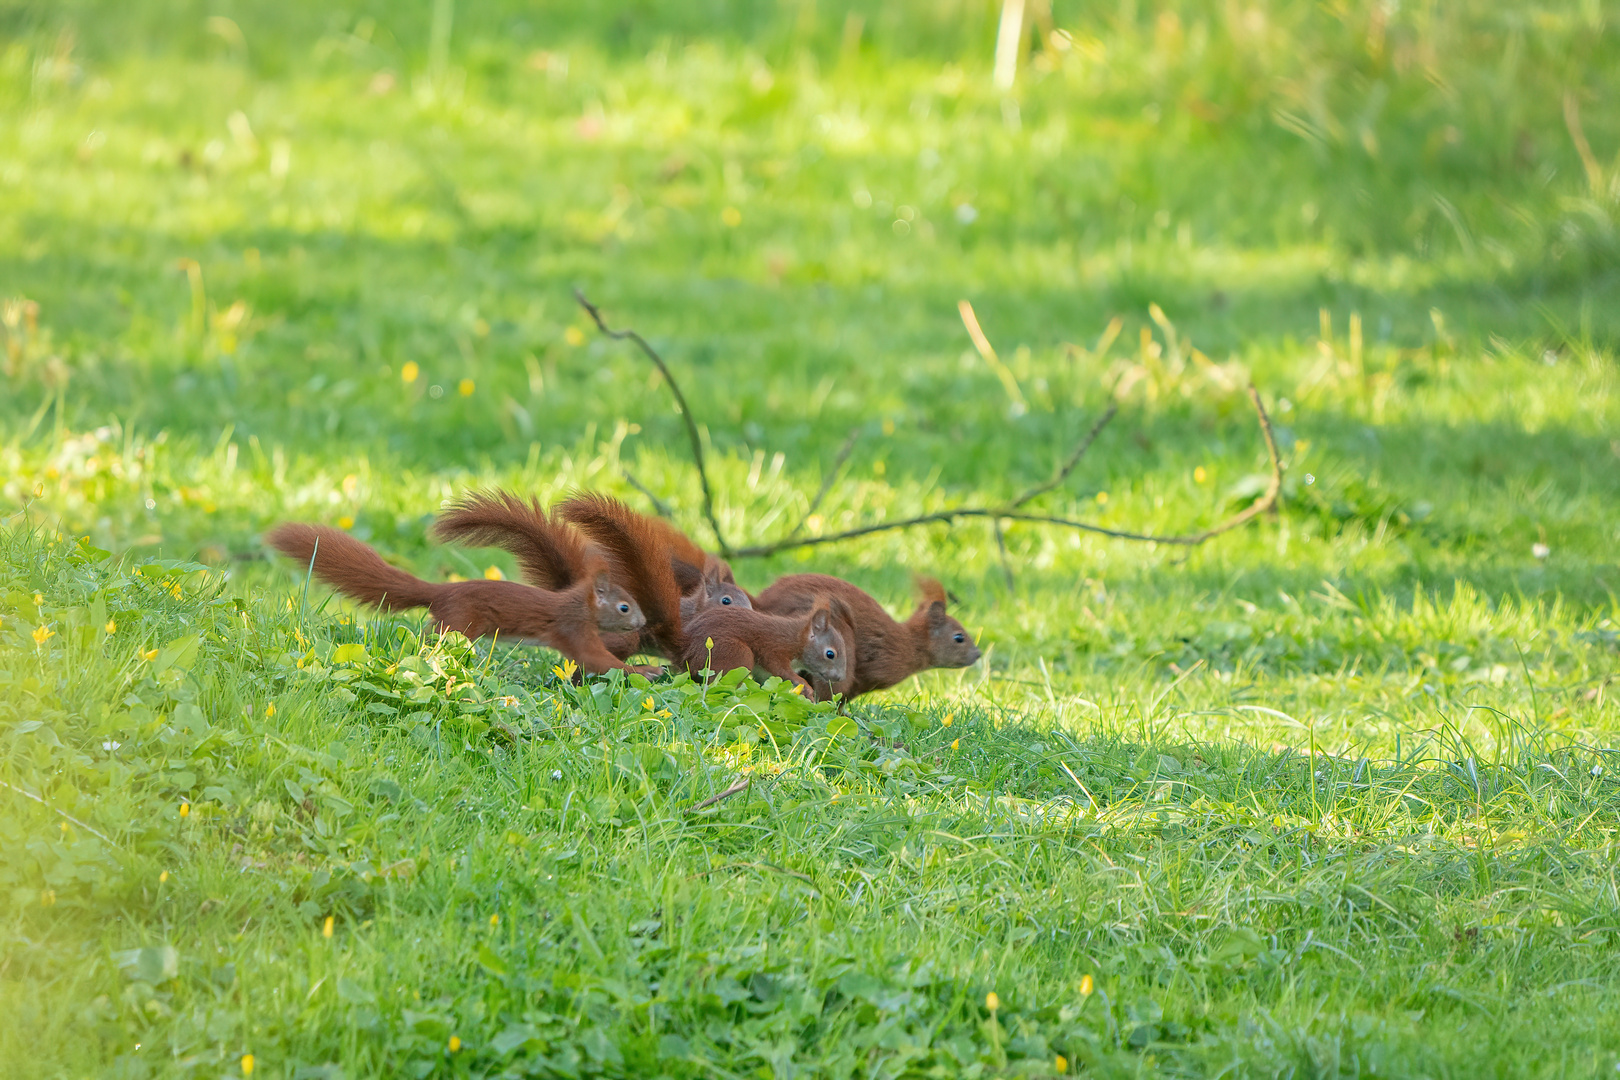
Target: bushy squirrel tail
[
  {"x": 352, "y": 568},
  {"x": 552, "y": 555},
  {"x": 640, "y": 550}
]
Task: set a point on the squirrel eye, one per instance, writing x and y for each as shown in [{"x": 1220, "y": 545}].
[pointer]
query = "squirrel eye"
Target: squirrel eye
[
  {"x": 726, "y": 600},
  {"x": 831, "y": 655},
  {"x": 959, "y": 637},
  {"x": 625, "y": 608}
]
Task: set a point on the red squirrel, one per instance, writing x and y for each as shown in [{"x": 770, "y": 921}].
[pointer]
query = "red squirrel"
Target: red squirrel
[
  {"x": 885, "y": 651},
  {"x": 668, "y": 574},
  {"x": 568, "y": 621},
  {"x": 768, "y": 644}
]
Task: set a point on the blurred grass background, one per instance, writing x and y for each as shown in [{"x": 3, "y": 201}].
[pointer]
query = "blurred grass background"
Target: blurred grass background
[{"x": 265, "y": 261}]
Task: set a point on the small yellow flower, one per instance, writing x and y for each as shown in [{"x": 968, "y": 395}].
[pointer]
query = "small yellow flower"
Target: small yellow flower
[
  {"x": 648, "y": 704},
  {"x": 410, "y": 371},
  {"x": 1061, "y": 1064},
  {"x": 345, "y": 522},
  {"x": 956, "y": 744},
  {"x": 731, "y": 217},
  {"x": 455, "y": 1043},
  {"x": 43, "y": 634},
  {"x": 494, "y": 921},
  {"x": 991, "y": 1001},
  {"x": 574, "y": 336},
  {"x": 708, "y": 643},
  {"x": 163, "y": 877},
  {"x": 466, "y": 387},
  {"x": 247, "y": 1064},
  {"x": 950, "y": 718},
  {"x": 185, "y": 809},
  {"x": 1199, "y": 475},
  {"x": 112, "y": 626},
  {"x": 149, "y": 654},
  {"x": 326, "y": 927},
  {"x": 39, "y": 599},
  {"x": 1102, "y": 498},
  {"x": 494, "y": 574},
  {"x": 565, "y": 670},
  {"x": 665, "y": 713},
  {"x": 1086, "y": 985},
  {"x": 47, "y": 897},
  {"x": 270, "y": 709}
]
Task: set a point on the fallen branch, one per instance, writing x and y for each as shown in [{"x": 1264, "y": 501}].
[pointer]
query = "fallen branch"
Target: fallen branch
[
  {"x": 680, "y": 402},
  {"x": 91, "y": 829},
  {"x": 1012, "y": 510},
  {"x": 740, "y": 785}
]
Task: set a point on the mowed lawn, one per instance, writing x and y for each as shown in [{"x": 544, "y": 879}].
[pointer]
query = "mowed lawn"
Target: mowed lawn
[{"x": 1332, "y": 795}]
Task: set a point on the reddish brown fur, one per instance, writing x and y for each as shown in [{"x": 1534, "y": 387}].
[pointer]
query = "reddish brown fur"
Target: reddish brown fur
[
  {"x": 566, "y": 620},
  {"x": 551, "y": 555},
  {"x": 670, "y": 576},
  {"x": 885, "y": 652},
  {"x": 774, "y": 644}
]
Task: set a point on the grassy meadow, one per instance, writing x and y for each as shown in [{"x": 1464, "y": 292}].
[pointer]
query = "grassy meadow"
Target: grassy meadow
[{"x": 1333, "y": 795}]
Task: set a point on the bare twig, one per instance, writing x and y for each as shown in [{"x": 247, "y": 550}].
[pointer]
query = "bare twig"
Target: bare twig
[
  {"x": 660, "y": 507},
  {"x": 1074, "y": 459},
  {"x": 680, "y": 401},
  {"x": 91, "y": 829},
  {"x": 1267, "y": 501},
  {"x": 827, "y": 481},
  {"x": 726, "y": 794},
  {"x": 1001, "y": 546}
]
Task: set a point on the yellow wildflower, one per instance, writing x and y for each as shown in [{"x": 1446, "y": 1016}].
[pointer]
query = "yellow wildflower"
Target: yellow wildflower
[
  {"x": 345, "y": 522},
  {"x": 149, "y": 654},
  {"x": 708, "y": 643},
  {"x": 1087, "y": 985},
  {"x": 1102, "y": 498},
  {"x": 665, "y": 713},
  {"x": 247, "y": 1064},
  {"x": 270, "y": 709},
  {"x": 466, "y": 387},
  {"x": 112, "y": 626},
  {"x": 39, "y": 599},
  {"x": 1199, "y": 475},
  {"x": 950, "y": 718},
  {"x": 956, "y": 744},
  {"x": 326, "y": 927},
  {"x": 455, "y": 1043},
  {"x": 410, "y": 371},
  {"x": 574, "y": 336},
  {"x": 1061, "y": 1064},
  {"x": 648, "y": 704},
  {"x": 494, "y": 921},
  {"x": 565, "y": 670},
  {"x": 494, "y": 574},
  {"x": 731, "y": 217},
  {"x": 991, "y": 1001},
  {"x": 163, "y": 877},
  {"x": 43, "y": 634},
  {"x": 185, "y": 809}
]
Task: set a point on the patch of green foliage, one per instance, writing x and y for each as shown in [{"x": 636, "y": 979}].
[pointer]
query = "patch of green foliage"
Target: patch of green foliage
[{"x": 1330, "y": 796}]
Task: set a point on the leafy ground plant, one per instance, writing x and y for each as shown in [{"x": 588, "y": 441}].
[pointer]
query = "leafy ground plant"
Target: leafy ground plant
[{"x": 1332, "y": 796}]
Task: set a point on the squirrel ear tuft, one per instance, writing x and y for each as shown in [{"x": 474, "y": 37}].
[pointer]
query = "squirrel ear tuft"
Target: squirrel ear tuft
[
  {"x": 929, "y": 590},
  {"x": 821, "y": 618}
]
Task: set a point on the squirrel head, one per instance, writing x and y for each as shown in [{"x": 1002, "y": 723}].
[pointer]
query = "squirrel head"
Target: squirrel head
[
  {"x": 949, "y": 643},
  {"x": 616, "y": 609},
  {"x": 825, "y": 650}
]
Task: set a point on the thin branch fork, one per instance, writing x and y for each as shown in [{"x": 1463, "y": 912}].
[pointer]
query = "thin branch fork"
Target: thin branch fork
[
  {"x": 680, "y": 400},
  {"x": 1012, "y": 510}
]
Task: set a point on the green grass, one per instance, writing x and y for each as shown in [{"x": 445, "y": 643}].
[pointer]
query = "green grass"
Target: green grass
[{"x": 1331, "y": 796}]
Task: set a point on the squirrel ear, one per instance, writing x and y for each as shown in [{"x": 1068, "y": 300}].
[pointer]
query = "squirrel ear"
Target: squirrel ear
[
  {"x": 936, "y": 614},
  {"x": 821, "y": 620},
  {"x": 711, "y": 581},
  {"x": 603, "y": 583}
]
